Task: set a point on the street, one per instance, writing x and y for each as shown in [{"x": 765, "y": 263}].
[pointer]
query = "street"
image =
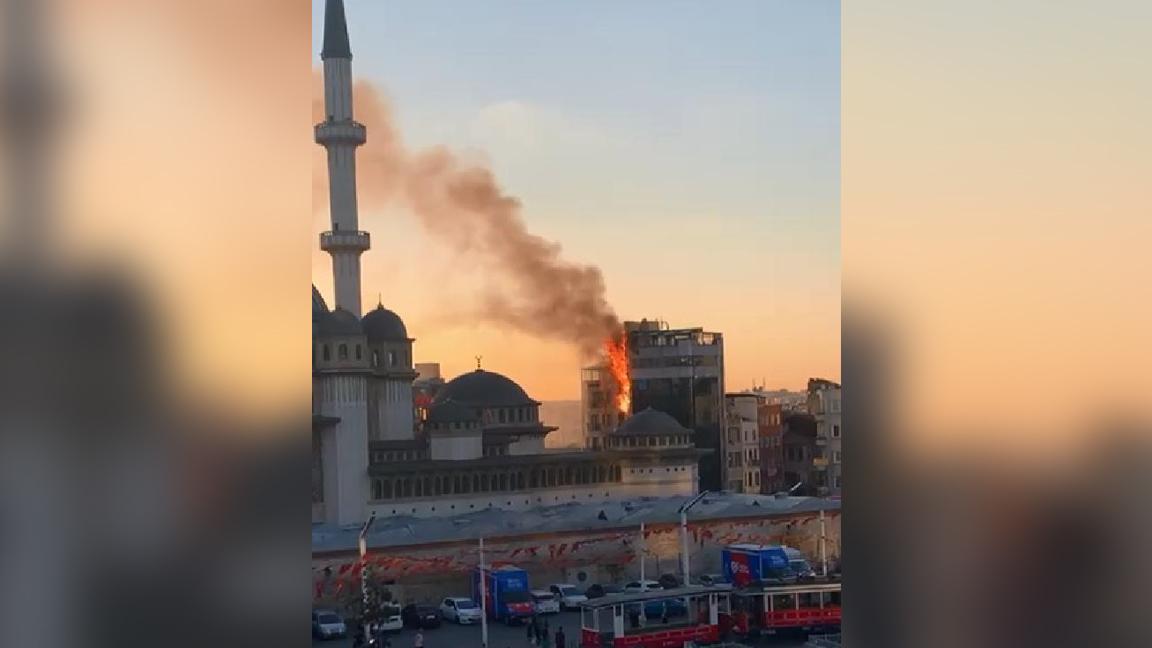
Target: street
[{"x": 450, "y": 635}]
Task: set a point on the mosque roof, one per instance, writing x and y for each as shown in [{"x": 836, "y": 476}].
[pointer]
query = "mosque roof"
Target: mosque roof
[
  {"x": 339, "y": 323},
  {"x": 383, "y": 325},
  {"x": 482, "y": 388},
  {"x": 650, "y": 422}
]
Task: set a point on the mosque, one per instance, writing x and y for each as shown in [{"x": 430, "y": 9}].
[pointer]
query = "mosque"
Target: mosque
[{"x": 479, "y": 444}]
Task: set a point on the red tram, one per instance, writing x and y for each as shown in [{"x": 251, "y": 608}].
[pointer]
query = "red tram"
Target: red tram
[
  {"x": 658, "y": 619},
  {"x": 770, "y": 609}
]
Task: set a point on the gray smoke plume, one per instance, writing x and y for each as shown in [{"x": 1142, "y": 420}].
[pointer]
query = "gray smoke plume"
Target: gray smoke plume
[{"x": 461, "y": 204}]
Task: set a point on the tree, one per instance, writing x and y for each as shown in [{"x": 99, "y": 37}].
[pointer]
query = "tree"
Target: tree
[{"x": 379, "y": 602}]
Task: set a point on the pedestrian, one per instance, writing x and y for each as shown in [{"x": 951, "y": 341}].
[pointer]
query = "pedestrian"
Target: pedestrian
[
  {"x": 560, "y": 637},
  {"x": 531, "y": 627},
  {"x": 538, "y": 630},
  {"x": 418, "y": 640}
]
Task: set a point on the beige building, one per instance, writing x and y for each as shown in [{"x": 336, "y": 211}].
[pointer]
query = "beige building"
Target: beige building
[{"x": 742, "y": 468}]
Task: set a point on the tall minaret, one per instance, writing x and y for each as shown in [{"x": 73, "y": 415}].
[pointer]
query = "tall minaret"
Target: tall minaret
[{"x": 340, "y": 135}]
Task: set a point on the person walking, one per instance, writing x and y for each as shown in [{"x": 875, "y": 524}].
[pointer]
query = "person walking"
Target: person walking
[
  {"x": 418, "y": 640},
  {"x": 531, "y": 627},
  {"x": 538, "y": 630},
  {"x": 560, "y": 637}
]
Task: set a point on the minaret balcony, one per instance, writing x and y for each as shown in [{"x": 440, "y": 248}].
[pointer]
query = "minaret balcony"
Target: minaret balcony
[
  {"x": 345, "y": 240},
  {"x": 341, "y": 132}
]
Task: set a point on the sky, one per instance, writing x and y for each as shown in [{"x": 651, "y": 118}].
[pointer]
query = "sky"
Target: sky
[{"x": 691, "y": 150}]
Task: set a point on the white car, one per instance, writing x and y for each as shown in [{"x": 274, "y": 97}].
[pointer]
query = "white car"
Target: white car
[
  {"x": 545, "y": 602},
  {"x": 392, "y": 619},
  {"x": 636, "y": 587},
  {"x": 326, "y": 624},
  {"x": 570, "y": 598},
  {"x": 460, "y": 610}
]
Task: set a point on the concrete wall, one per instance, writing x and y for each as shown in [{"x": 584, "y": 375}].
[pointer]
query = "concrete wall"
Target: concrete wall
[{"x": 434, "y": 572}]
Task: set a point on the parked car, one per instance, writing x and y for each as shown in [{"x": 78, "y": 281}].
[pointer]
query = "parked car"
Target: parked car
[
  {"x": 461, "y": 610},
  {"x": 714, "y": 580},
  {"x": 326, "y": 624},
  {"x": 570, "y": 598},
  {"x": 600, "y": 590},
  {"x": 391, "y": 619},
  {"x": 418, "y": 615},
  {"x": 636, "y": 587},
  {"x": 545, "y": 602},
  {"x": 669, "y": 581}
]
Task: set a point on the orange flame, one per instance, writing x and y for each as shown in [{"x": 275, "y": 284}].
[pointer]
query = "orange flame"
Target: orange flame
[{"x": 616, "y": 349}]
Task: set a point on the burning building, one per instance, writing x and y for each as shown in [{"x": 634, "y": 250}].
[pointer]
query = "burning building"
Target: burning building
[{"x": 676, "y": 371}]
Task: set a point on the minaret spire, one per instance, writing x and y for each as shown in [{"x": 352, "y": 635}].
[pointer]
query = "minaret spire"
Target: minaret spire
[
  {"x": 335, "y": 32},
  {"x": 340, "y": 134}
]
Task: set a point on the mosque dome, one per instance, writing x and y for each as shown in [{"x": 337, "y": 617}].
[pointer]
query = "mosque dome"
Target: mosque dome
[
  {"x": 318, "y": 305},
  {"x": 484, "y": 389},
  {"x": 650, "y": 422},
  {"x": 382, "y": 325},
  {"x": 339, "y": 323}
]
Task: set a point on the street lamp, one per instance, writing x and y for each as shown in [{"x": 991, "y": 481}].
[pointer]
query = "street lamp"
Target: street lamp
[{"x": 684, "y": 532}]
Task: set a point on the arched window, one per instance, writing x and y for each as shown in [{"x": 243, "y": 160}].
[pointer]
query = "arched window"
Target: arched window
[
  {"x": 342, "y": 352},
  {"x": 391, "y": 358},
  {"x": 327, "y": 353},
  {"x": 375, "y": 358}
]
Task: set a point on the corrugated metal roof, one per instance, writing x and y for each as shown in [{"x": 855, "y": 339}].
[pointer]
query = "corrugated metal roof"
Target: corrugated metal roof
[{"x": 494, "y": 523}]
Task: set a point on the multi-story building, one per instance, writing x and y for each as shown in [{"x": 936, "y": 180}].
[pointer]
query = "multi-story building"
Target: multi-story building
[
  {"x": 824, "y": 405},
  {"x": 798, "y": 454},
  {"x": 742, "y": 443},
  {"x": 676, "y": 371},
  {"x": 771, "y": 420}
]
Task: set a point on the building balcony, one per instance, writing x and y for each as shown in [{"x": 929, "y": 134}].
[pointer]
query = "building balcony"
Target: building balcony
[
  {"x": 341, "y": 132},
  {"x": 345, "y": 240}
]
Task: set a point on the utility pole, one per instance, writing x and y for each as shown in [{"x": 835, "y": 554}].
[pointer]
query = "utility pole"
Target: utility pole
[
  {"x": 684, "y": 533},
  {"x": 363, "y": 541},
  {"x": 643, "y": 554},
  {"x": 823, "y": 547},
  {"x": 483, "y": 580}
]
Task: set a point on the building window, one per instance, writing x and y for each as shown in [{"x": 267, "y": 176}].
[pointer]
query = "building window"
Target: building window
[
  {"x": 835, "y": 456},
  {"x": 342, "y": 352},
  {"x": 327, "y": 353},
  {"x": 503, "y": 416},
  {"x": 358, "y": 356},
  {"x": 391, "y": 358},
  {"x": 835, "y": 431}
]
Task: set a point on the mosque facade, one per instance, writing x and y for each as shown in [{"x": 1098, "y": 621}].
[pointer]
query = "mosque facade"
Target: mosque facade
[{"x": 479, "y": 443}]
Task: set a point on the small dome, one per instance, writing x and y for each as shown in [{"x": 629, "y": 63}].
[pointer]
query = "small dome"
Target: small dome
[
  {"x": 650, "y": 422},
  {"x": 340, "y": 323},
  {"x": 484, "y": 389},
  {"x": 382, "y": 325}
]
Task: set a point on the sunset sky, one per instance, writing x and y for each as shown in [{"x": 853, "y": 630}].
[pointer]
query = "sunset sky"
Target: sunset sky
[{"x": 689, "y": 150}]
